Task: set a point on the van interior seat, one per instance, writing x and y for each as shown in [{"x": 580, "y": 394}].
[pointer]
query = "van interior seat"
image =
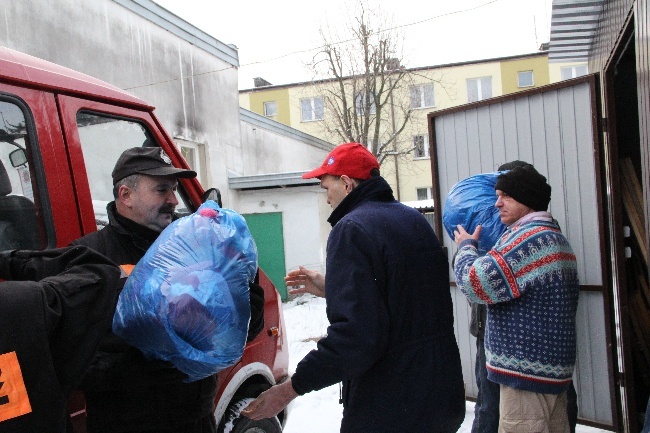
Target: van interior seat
[{"x": 18, "y": 221}]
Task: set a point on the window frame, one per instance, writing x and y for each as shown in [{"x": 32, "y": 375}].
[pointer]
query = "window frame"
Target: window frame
[
  {"x": 199, "y": 162},
  {"x": 425, "y": 147},
  {"x": 479, "y": 88},
  {"x": 532, "y": 79},
  {"x": 420, "y": 89},
  {"x": 268, "y": 104},
  {"x": 359, "y": 108},
  {"x": 429, "y": 193},
  {"x": 574, "y": 71},
  {"x": 312, "y": 105}
]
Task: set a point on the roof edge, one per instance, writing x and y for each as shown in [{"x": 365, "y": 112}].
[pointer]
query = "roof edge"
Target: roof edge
[{"x": 165, "y": 19}]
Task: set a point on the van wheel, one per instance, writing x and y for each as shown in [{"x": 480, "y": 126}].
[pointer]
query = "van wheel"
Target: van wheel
[{"x": 233, "y": 423}]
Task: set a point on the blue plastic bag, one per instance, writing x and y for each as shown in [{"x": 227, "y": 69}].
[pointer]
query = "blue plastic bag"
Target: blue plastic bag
[
  {"x": 471, "y": 203},
  {"x": 187, "y": 300}
]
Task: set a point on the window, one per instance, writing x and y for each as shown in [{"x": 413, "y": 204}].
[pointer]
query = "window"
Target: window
[
  {"x": 573, "y": 71},
  {"x": 194, "y": 155},
  {"x": 479, "y": 89},
  {"x": 21, "y": 210},
  {"x": 424, "y": 193},
  {"x": 525, "y": 79},
  {"x": 421, "y": 146},
  {"x": 422, "y": 96},
  {"x": 270, "y": 109},
  {"x": 364, "y": 102},
  {"x": 103, "y": 139},
  {"x": 312, "y": 109}
]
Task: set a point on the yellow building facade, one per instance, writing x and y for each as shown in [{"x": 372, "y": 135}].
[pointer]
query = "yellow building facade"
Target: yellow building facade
[{"x": 407, "y": 168}]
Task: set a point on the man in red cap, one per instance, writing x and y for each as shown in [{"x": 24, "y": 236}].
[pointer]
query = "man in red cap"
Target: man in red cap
[{"x": 391, "y": 338}]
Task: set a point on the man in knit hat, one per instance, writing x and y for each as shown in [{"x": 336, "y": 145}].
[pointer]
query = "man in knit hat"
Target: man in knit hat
[
  {"x": 529, "y": 282},
  {"x": 391, "y": 336}
]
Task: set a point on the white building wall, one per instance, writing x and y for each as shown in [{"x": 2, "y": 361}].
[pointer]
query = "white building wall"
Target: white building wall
[
  {"x": 189, "y": 76},
  {"x": 305, "y": 235},
  {"x": 275, "y": 148}
]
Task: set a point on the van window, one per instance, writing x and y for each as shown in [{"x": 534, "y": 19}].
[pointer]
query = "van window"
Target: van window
[
  {"x": 21, "y": 214},
  {"x": 103, "y": 139}
]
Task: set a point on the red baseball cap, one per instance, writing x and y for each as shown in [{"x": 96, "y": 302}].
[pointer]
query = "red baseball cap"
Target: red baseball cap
[{"x": 350, "y": 159}]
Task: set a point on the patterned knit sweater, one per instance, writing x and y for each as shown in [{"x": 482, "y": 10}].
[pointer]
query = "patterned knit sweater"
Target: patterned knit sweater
[{"x": 529, "y": 281}]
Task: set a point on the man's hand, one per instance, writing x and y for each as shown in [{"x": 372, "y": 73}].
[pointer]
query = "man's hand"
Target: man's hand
[
  {"x": 460, "y": 234},
  {"x": 270, "y": 402},
  {"x": 305, "y": 281}
]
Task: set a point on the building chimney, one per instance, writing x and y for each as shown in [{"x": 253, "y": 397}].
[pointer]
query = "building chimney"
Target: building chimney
[
  {"x": 260, "y": 82},
  {"x": 392, "y": 64}
]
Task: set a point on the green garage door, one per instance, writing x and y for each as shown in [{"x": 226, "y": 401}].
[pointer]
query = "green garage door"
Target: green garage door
[{"x": 266, "y": 229}]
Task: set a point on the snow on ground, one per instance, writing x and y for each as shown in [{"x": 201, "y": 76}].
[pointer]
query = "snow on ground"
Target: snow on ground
[{"x": 320, "y": 411}]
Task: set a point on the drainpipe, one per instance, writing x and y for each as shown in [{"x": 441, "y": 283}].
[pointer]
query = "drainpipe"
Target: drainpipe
[{"x": 395, "y": 152}]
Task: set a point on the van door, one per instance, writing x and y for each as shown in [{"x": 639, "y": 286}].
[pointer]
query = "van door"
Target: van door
[
  {"x": 96, "y": 134},
  {"x": 36, "y": 201}
]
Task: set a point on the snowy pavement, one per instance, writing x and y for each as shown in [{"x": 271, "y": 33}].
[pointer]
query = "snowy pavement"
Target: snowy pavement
[{"x": 320, "y": 411}]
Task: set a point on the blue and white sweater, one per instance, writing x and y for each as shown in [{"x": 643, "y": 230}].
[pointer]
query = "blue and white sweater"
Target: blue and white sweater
[{"x": 529, "y": 281}]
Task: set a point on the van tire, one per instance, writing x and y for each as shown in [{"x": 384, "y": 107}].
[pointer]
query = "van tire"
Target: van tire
[{"x": 232, "y": 422}]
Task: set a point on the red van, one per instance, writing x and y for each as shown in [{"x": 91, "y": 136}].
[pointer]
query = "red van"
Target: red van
[{"x": 60, "y": 134}]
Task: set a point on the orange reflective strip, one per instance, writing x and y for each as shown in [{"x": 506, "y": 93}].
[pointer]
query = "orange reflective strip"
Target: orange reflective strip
[
  {"x": 14, "y": 400},
  {"x": 127, "y": 269}
]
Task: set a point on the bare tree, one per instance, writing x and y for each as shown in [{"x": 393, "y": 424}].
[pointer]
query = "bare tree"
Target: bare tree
[{"x": 360, "y": 75}]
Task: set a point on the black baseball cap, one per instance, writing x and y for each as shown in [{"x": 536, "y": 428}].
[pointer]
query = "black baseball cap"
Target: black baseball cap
[{"x": 152, "y": 161}]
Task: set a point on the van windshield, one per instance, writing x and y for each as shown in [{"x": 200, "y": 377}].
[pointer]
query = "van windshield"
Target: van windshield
[{"x": 103, "y": 139}]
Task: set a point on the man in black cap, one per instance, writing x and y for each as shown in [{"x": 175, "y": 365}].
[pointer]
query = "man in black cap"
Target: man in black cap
[
  {"x": 125, "y": 392},
  {"x": 529, "y": 282}
]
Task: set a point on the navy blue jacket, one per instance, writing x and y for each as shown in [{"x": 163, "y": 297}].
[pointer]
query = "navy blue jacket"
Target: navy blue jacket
[{"x": 391, "y": 337}]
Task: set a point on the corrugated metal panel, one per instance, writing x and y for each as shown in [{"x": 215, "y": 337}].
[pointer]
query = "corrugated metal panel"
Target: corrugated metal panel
[
  {"x": 466, "y": 342},
  {"x": 591, "y": 374},
  {"x": 606, "y": 36},
  {"x": 551, "y": 129},
  {"x": 573, "y": 25}
]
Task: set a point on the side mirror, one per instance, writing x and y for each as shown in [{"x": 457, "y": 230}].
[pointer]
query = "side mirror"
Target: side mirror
[
  {"x": 18, "y": 157},
  {"x": 213, "y": 194}
]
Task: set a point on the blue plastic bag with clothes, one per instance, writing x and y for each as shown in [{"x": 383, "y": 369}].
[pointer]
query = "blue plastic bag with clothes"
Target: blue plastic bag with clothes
[
  {"x": 471, "y": 203},
  {"x": 187, "y": 300}
]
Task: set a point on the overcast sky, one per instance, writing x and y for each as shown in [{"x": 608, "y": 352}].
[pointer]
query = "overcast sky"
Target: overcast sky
[{"x": 276, "y": 39}]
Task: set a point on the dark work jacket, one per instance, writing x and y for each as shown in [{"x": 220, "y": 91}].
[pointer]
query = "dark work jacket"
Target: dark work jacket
[
  {"x": 50, "y": 328},
  {"x": 391, "y": 337},
  {"x": 124, "y": 391}
]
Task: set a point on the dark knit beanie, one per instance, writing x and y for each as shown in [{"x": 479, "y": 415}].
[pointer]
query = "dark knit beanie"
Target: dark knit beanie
[
  {"x": 512, "y": 164},
  {"x": 527, "y": 186}
]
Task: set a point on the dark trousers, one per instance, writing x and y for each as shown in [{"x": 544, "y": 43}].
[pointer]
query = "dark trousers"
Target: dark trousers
[
  {"x": 646, "y": 423},
  {"x": 206, "y": 424},
  {"x": 486, "y": 410}
]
